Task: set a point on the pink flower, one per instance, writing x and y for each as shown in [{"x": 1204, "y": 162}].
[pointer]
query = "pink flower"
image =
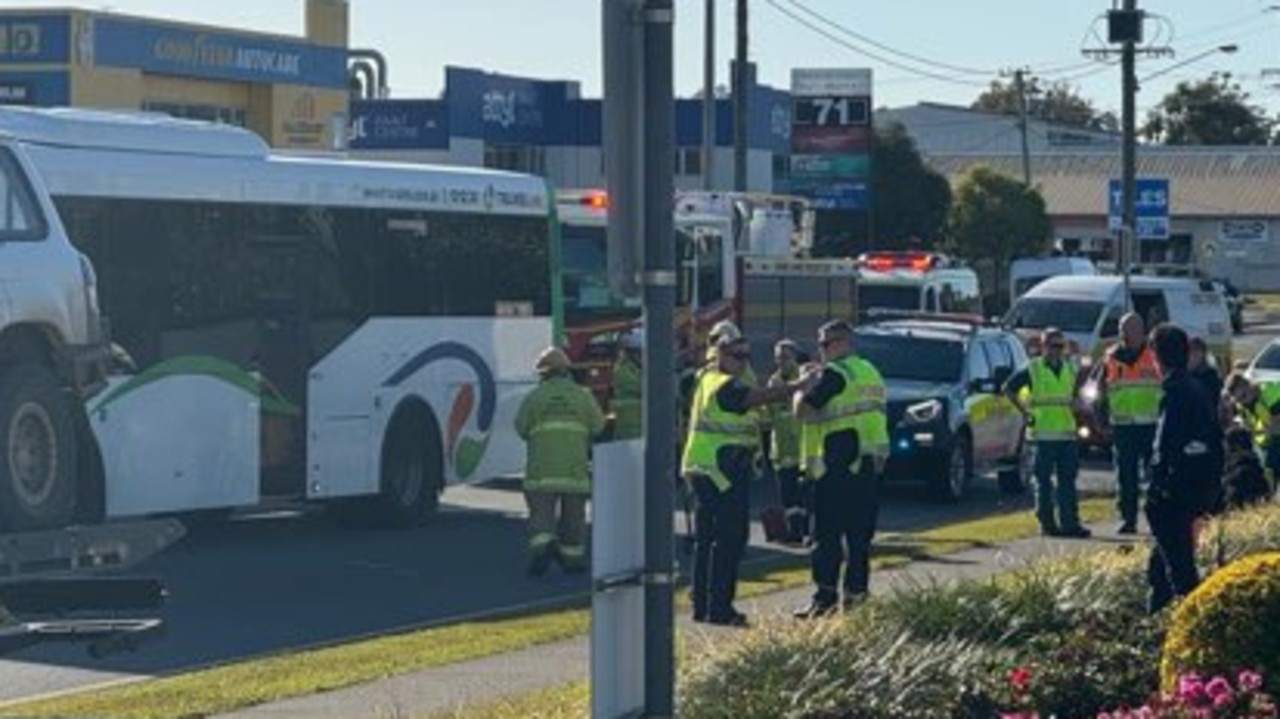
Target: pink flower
[
  {"x": 1217, "y": 688},
  {"x": 1249, "y": 681},
  {"x": 1191, "y": 689},
  {"x": 1221, "y": 701}
]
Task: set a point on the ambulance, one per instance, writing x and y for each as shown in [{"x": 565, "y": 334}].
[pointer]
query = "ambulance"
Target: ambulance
[{"x": 916, "y": 281}]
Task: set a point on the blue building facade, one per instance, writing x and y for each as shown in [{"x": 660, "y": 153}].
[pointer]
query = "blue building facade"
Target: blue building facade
[{"x": 546, "y": 127}]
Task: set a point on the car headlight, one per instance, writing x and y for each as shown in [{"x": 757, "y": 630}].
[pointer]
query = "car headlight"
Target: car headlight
[{"x": 924, "y": 412}]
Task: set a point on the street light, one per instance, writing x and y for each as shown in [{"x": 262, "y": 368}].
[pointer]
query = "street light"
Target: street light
[{"x": 1224, "y": 49}]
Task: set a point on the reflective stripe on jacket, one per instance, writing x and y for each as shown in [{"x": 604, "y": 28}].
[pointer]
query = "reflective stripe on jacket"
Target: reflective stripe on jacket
[
  {"x": 860, "y": 406},
  {"x": 1134, "y": 390},
  {"x": 1050, "y": 397},
  {"x": 712, "y": 428},
  {"x": 557, "y": 421}
]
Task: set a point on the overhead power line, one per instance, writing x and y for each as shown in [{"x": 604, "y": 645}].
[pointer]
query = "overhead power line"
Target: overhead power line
[{"x": 793, "y": 15}]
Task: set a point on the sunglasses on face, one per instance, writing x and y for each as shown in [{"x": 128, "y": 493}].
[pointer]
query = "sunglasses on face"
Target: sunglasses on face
[
  {"x": 1057, "y": 346},
  {"x": 739, "y": 355}
]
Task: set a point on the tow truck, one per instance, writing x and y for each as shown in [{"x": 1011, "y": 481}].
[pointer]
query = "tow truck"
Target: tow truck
[{"x": 59, "y": 586}]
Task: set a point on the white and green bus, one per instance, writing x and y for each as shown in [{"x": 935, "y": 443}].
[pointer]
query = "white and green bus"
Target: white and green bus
[{"x": 294, "y": 328}]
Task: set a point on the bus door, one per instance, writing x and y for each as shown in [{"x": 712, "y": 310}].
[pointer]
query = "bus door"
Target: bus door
[{"x": 283, "y": 358}]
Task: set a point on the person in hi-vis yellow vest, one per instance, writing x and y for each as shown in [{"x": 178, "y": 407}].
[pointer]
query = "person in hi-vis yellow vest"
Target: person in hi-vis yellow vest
[
  {"x": 1130, "y": 387},
  {"x": 1045, "y": 394},
  {"x": 846, "y": 440},
  {"x": 717, "y": 463}
]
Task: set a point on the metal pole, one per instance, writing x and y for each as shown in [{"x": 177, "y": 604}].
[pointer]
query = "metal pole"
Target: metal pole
[
  {"x": 740, "y": 108},
  {"x": 709, "y": 97},
  {"x": 1128, "y": 156},
  {"x": 659, "y": 361},
  {"x": 623, "y": 151},
  {"x": 1019, "y": 83}
]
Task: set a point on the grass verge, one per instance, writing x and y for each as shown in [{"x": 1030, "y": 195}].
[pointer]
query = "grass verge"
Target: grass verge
[{"x": 257, "y": 681}]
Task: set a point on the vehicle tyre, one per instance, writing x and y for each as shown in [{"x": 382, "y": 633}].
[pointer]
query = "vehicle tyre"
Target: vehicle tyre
[
  {"x": 955, "y": 470},
  {"x": 411, "y": 473},
  {"x": 1013, "y": 479},
  {"x": 38, "y": 488}
]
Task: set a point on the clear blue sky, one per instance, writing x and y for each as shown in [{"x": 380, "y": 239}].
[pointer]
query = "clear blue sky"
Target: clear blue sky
[{"x": 560, "y": 39}]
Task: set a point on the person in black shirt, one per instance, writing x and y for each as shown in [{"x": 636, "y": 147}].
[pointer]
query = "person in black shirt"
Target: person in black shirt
[
  {"x": 1186, "y": 470},
  {"x": 721, "y": 515},
  {"x": 1203, "y": 372}
]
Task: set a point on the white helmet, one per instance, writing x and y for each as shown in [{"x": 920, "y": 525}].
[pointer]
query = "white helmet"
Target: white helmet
[{"x": 724, "y": 329}]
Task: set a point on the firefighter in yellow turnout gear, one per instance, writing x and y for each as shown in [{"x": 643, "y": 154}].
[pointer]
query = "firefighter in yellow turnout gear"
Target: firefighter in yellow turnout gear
[
  {"x": 785, "y": 446},
  {"x": 628, "y": 388},
  {"x": 845, "y": 443},
  {"x": 558, "y": 421},
  {"x": 717, "y": 463}
]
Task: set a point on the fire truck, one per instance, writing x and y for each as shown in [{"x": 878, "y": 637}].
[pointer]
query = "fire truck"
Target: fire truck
[{"x": 741, "y": 257}]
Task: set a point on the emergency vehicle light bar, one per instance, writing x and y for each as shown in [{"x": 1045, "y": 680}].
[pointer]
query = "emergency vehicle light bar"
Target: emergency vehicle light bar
[{"x": 913, "y": 261}]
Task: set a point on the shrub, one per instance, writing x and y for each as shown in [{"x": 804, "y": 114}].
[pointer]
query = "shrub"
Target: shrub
[{"x": 1228, "y": 623}]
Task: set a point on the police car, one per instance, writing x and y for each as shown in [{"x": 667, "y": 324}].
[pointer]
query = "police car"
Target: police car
[{"x": 948, "y": 418}]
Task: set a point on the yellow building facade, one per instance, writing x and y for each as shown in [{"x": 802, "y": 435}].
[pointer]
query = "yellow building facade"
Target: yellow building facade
[{"x": 292, "y": 91}]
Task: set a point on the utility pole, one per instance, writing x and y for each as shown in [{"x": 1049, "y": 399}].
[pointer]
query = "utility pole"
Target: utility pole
[
  {"x": 659, "y": 282},
  {"x": 1129, "y": 19},
  {"x": 740, "y": 107},
  {"x": 709, "y": 97},
  {"x": 1020, "y": 86},
  {"x": 1124, "y": 28}
]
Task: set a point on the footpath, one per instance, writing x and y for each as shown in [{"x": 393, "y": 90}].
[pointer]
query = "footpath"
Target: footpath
[{"x": 483, "y": 681}]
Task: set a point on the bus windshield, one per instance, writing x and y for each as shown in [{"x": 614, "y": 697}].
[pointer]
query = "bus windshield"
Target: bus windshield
[
  {"x": 1067, "y": 315},
  {"x": 585, "y": 273}
]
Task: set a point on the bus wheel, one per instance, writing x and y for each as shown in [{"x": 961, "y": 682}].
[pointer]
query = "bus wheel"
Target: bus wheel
[
  {"x": 37, "y": 450},
  {"x": 411, "y": 470}
]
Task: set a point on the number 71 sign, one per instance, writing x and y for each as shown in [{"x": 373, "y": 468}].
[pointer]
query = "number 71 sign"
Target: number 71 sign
[{"x": 830, "y": 111}]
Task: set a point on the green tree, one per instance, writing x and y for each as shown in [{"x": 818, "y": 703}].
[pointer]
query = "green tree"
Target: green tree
[
  {"x": 909, "y": 202},
  {"x": 1214, "y": 111},
  {"x": 1056, "y": 102},
  {"x": 993, "y": 219}
]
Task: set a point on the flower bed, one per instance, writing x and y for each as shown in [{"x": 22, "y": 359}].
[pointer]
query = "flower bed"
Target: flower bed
[{"x": 1064, "y": 639}]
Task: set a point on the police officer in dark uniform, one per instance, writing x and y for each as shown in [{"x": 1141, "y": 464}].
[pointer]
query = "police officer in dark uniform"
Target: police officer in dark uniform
[{"x": 1186, "y": 470}]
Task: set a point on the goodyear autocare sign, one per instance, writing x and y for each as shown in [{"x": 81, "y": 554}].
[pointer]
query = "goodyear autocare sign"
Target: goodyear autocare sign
[{"x": 831, "y": 137}]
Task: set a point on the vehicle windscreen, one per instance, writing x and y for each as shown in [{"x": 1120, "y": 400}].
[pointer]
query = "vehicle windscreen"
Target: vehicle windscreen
[
  {"x": 585, "y": 272},
  {"x": 1269, "y": 359},
  {"x": 916, "y": 359},
  {"x": 1067, "y": 315},
  {"x": 894, "y": 297}
]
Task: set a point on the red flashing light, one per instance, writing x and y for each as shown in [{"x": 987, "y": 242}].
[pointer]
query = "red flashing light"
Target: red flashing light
[
  {"x": 595, "y": 200},
  {"x": 886, "y": 261}
]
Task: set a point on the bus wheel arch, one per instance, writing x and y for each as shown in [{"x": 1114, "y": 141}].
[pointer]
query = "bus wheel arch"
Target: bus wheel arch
[{"x": 411, "y": 466}]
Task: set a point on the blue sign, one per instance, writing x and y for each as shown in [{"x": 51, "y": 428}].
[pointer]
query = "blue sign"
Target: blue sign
[
  {"x": 35, "y": 39},
  {"x": 502, "y": 108},
  {"x": 1150, "y": 208},
  {"x": 47, "y": 89},
  {"x": 399, "y": 125},
  {"x": 829, "y": 194},
  {"x": 198, "y": 53}
]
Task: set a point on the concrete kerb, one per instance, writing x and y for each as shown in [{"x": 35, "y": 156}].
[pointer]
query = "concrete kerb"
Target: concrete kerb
[{"x": 504, "y": 676}]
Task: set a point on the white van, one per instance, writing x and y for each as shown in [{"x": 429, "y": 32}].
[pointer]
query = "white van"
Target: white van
[
  {"x": 1027, "y": 272},
  {"x": 1088, "y": 310},
  {"x": 916, "y": 281}
]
